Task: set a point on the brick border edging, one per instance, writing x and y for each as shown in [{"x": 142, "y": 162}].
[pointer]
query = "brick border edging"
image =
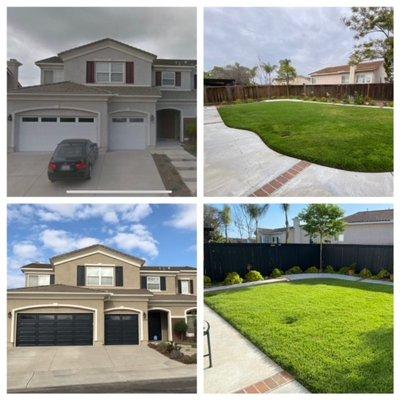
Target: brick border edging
[
  {"x": 269, "y": 384},
  {"x": 272, "y": 186}
]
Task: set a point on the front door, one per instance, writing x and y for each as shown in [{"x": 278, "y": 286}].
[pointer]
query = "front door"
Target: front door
[
  {"x": 168, "y": 124},
  {"x": 155, "y": 326}
]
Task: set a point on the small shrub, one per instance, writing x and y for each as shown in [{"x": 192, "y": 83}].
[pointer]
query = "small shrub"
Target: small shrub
[
  {"x": 186, "y": 359},
  {"x": 233, "y": 278},
  {"x": 207, "y": 281},
  {"x": 390, "y": 104},
  {"x": 175, "y": 354},
  {"x": 253, "y": 276},
  {"x": 276, "y": 273},
  {"x": 329, "y": 269},
  {"x": 312, "y": 270},
  {"x": 181, "y": 328},
  {"x": 359, "y": 100},
  {"x": 383, "y": 274},
  {"x": 294, "y": 270},
  {"x": 314, "y": 99},
  {"x": 346, "y": 100},
  {"x": 347, "y": 270},
  {"x": 323, "y": 99},
  {"x": 365, "y": 273}
]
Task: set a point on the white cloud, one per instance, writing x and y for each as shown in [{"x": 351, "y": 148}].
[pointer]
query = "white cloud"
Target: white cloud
[
  {"x": 137, "y": 213},
  {"x": 25, "y": 251},
  {"x": 184, "y": 218},
  {"x": 61, "y": 241}
]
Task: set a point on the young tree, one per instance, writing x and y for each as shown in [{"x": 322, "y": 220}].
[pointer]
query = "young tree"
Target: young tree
[
  {"x": 268, "y": 69},
  {"x": 377, "y": 21},
  {"x": 285, "y": 209},
  {"x": 286, "y": 72},
  {"x": 255, "y": 212},
  {"x": 226, "y": 219},
  {"x": 322, "y": 221}
]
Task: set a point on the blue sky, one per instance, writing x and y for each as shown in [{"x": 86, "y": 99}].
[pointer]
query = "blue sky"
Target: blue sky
[
  {"x": 161, "y": 234},
  {"x": 275, "y": 218}
]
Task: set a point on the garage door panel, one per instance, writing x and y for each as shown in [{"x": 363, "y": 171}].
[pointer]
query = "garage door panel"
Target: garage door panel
[
  {"x": 128, "y": 133},
  {"x": 121, "y": 329}
]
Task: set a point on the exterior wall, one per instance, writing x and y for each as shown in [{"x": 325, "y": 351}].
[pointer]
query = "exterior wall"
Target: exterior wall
[
  {"x": 66, "y": 273},
  {"x": 378, "y": 233},
  {"x": 380, "y": 75},
  {"x": 75, "y": 68},
  {"x": 335, "y": 79}
]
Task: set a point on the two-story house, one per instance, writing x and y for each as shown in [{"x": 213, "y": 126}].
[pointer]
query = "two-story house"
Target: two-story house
[
  {"x": 98, "y": 295},
  {"x": 114, "y": 94}
]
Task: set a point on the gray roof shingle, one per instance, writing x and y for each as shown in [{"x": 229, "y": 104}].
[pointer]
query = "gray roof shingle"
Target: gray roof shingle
[
  {"x": 370, "y": 216},
  {"x": 178, "y": 95},
  {"x": 52, "y": 60},
  {"x": 37, "y": 265},
  {"x": 177, "y": 62}
]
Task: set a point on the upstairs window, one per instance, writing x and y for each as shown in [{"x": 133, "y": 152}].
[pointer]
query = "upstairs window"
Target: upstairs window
[
  {"x": 99, "y": 276},
  {"x": 185, "y": 287},
  {"x": 168, "y": 78},
  {"x": 109, "y": 72},
  {"x": 345, "y": 79},
  {"x": 153, "y": 283},
  {"x": 48, "y": 76},
  {"x": 38, "y": 280}
]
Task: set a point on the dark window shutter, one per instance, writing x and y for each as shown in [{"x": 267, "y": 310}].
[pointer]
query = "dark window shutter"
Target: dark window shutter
[
  {"x": 143, "y": 282},
  {"x": 191, "y": 286},
  {"x": 158, "y": 78},
  {"x": 195, "y": 82},
  {"x": 177, "y": 79},
  {"x": 129, "y": 72},
  {"x": 80, "y": 277},
  {"x": 89, "y": 71},
  {"x": 119, "y": 276},
  {"x": 51, "y": 279},
  {"x": 163, "y": 283},
  {"x": 179, "y": 287}
]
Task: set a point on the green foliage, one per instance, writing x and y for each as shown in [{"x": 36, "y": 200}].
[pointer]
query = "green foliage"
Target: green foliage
[
  {"x": 329, "y": 269},
  {"x": 226, "y": 219},
  {"x": 253, "y": 276},
  {"x": 359, "y": 100},
  {"x": 241, "y": 74},
  {"x": 207, "y": 281},
  {"x": 232, "y": 278},
  {"x": 186, "y": 359},
  {"x": 294, "y": 270},
  {"x": 276, "y": 273},
  {"x": 365, "y": 273},
  {"x": 351, "y": 270},
  {"x": 383, "y": 274},
  {"x": 181, "y": 327},
  {"x": 312, "y": 270}
]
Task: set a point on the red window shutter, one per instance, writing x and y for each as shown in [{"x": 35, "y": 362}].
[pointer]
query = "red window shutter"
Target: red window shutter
[
  {"x": 89, "y": 71},
  {"x": 177, "y": 79},
  {"x": 129, "y": 72},
  {"x": 158, "y": 78}
]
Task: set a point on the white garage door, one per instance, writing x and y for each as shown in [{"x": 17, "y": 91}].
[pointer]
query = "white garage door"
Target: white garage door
[
  {"x": 127, "y": 133},
  {"x": 44, "y": 133}
]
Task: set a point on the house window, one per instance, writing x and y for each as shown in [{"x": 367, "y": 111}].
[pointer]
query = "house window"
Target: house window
[
  {"x": 313, "y": 81},
  {"x": 345, "y": 79},
  {"x": 119, "y": 120},
  {"x": 38, "y": 280},
  {"x": 109, "y": 72},
  {"x": 360, "y": 78},
  {"x": 67, "y": 119},
  {"x": 48, "y": 76},
  {"x": 100, "y": 276},
  {"x": 185, "y": 287},
  {"x": 135, "y": 120},
  {"x": 191, "y": 323},
  {"x": 86, "y": 120},
  {"x": 30, "y": 119},
  {"x": 168, "y": 78},
  {"x": 48, "y": 119},
  {"x": 153, "y": 283}
]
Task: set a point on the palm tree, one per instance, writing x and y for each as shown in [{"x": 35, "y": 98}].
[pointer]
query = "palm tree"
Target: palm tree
[
  {"x": 226, "y": 219},
  {"x": 286, "y": 72},
  {"x": 285, "y": 209},
  {"x": 268, "y": 70},
  {"x": 256, "y": 211}
]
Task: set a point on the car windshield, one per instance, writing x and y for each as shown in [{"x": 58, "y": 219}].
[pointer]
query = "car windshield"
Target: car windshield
[{"x": 69, "y": 151}]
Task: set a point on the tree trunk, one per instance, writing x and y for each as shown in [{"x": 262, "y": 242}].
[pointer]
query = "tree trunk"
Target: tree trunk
[
  {"x": 287, "y": 228},
  {"x": 320, "y": 255},
  {"x": 226, "y": 233}
]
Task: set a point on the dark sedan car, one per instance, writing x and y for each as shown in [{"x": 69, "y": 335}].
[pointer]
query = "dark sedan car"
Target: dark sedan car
[{"x": 73, "y": 158}]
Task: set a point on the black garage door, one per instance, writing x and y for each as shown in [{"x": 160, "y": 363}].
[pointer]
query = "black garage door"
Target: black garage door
[
  {"x": 122, "y": 329},
  {"x": 54, "y": 329}
]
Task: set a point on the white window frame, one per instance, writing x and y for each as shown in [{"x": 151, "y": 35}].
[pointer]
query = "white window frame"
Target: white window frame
[
  {"x": 162, "y": 78},
  {"x": 361, "y": 76},
  {"x": 52, "y": 76},
  {"x": 156, "y": 281},
  {"x": 345, "y": 81},
  {"x": 100, "y": 268},
  {"x": 109, "y": 72},
  {"x": 47, "y": 276},
  {"x": 187, "y": 281}
]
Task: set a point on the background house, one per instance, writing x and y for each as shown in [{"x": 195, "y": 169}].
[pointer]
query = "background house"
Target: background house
[{"x": 299, "y": 80}]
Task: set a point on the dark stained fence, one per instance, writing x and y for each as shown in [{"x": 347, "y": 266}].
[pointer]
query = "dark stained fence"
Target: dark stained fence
[
  {"x": 221, "y": 258},
  {"x": 229, "y": 94}
]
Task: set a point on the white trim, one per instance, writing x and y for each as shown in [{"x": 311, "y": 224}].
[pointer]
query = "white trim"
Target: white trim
[
  {"x": 176, "y": 301},
  {"x": 16, "y": 310},
  {"x": 110, "y": 72},
  {"x": 169, "y": 319},
  {"x": 129, "y": 309},
  {"x": 61, "y": 293},
  {"x": 100, "y": 275},
  {"x": 162, "y": 78}
]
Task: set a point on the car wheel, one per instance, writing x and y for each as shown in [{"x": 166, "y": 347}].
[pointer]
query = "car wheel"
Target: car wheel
[
  {"x": 89, "y": 173},
  {"x": 51, "y": 179}
]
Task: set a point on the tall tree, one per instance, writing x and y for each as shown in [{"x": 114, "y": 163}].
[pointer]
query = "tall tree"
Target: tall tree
[
  {"x": 241, "y": 74},
  {"x": 375, "y": 24},
  {"x": 286, "y": 72},
  {"x": 268, "y": 69},
  {"x": 285, "y": 209},
  {"x": 226, "y": 219},
  {"x": 322, "y": 221},
  {"x": 212, "y": 221},
  {"x": 255, "y": 213}
]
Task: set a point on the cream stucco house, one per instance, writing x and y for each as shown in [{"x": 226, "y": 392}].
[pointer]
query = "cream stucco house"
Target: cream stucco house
[
  {"x": 96, "y": 296},
  {"x": 365, "y": 72},
  {"x": 112, "y": 93}
]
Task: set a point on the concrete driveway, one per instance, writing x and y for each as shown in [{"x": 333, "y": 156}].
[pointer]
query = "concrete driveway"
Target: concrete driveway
[
  {"x": 238, "y": 163},
  {"x": 39, "y": 367},
  {"x": 113, "y": 171}
]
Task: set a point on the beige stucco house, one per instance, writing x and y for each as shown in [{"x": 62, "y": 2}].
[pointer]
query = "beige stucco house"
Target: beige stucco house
[
  {"x": 98, "y": 295},
  {"x": 112, "y": 93},
  {"x": 365, "y": 72},
  {"x": 298, "y": 80},
  {"x": 366, "y": 227}
]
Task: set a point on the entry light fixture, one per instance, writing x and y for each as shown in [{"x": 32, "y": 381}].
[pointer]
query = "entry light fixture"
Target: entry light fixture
[
  {"x": 144, "y": 315},
  {"x": 9, "y": 315},
  {"x": 9, "y": 118}
]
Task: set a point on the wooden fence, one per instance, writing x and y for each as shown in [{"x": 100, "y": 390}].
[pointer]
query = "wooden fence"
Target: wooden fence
[
  {"x": 221, "y": 258},
  {"x": 229, "y": 94}
]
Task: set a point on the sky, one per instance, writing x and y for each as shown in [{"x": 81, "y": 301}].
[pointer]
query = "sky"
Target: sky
[
  {"x": 275, "y": 218},
  {"x": 313, "y": 38},
  {"x": 161, "y": 234},
  {"x": 35, "y": 33}
]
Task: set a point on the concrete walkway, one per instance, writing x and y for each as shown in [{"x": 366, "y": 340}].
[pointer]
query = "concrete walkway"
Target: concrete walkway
[
  {"x": 239, "y": 366},
  {"x": 238, "y": 163}
]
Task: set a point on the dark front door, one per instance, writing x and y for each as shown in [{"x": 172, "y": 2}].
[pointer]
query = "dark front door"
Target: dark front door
[
  {"x": 54, "y": 330},
  {"x": 121, "y": 329},
  {"x": 155, "y": 326},
  {"x": 168, "y": 124}
]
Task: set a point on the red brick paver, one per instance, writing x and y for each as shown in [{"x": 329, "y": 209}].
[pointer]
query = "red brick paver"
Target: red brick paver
[
  {"x": 269, "y": 384},
  {"x": 281, "y": 180}
]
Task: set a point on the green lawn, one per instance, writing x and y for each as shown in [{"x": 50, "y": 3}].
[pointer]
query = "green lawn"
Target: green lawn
[
  {"x": 350, "y": 138},
  {"x": 334, "y": 336}
]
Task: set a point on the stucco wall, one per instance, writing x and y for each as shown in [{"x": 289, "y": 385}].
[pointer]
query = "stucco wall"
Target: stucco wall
[{"x": 368, "y": 234}]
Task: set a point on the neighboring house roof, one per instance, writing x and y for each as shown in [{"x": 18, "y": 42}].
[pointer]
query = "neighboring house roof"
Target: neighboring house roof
[
  {"x": 370, "y": 216},
  {"x": 342, "y": 69},
  {"x": 50, "y": 60},
  {"x": 172, "y": 268},
  {"x": 37, "y": 265},
  {"x": 96, "y": 247},
  {"x": 175, "y": 62},
  {"x": 267, "y": 231},
  {"x": 178, "y": 95}
]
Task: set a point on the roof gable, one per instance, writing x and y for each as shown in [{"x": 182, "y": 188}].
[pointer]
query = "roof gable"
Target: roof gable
[
  {"x": 344, "y": 69},
  {"x": 370, "y": 216}
]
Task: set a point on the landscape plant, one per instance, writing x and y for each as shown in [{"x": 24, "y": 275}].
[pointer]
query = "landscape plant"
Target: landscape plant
[
  {"x": 233, "y": 278},
  {"x": 276, "y": 273},
  {"x": 253, "y": 276}
]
